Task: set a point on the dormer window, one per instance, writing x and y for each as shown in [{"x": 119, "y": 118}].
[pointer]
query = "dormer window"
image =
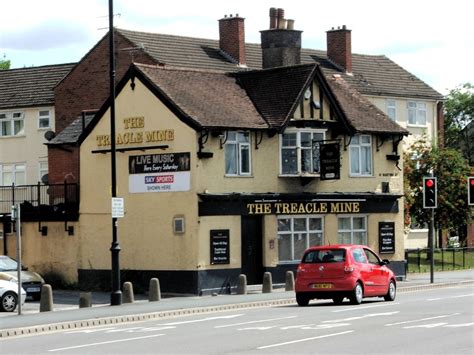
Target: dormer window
[{"x": 299, "y": 153}]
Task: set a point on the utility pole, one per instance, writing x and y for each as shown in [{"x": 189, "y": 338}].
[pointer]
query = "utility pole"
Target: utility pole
[
  {"x": 116, "y": 295},
  {"x": 16, "y": 217}
]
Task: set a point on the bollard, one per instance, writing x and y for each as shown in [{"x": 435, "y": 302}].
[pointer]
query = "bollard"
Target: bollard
[
  {"x": 128, "y": 296},
  {"x": 267, "y": 282},
  {"x": 46, "y": 301},
  {"x": 85, "y": 300},
  {"x": 289, "y": 281},
  {"x": 154, "y": 293},
  {"x": 242, "y": 286}
]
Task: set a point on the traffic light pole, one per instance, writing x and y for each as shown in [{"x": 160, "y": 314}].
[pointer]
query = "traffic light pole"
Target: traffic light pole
[{"x": 431, "y": 243}]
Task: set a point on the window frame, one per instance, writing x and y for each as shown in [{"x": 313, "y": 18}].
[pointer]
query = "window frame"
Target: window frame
[
  {"x": 292, "y": 233},
  {"x": 352, "y": 230},
  {"x": 240, "y": 146},
  {"x": 42, "y": 171},
  {"x": 299, "y": 151},
  {"x": 419, "y": 106},
  {"x": 14, "y": 173},
  {"x": 391, "y": 105},
  {"x": 40, "y": 118},
  {"x": 10, "y": 120},
  {"x": 359, "y": 146}
]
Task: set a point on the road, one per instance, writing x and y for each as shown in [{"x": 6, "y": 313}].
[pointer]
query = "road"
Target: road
[{"x": 436, "y": 321}]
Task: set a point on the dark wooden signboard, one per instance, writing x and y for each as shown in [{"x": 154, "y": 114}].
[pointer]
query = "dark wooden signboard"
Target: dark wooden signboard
[
  {"x": 330, "y": 161},
  {"x": 220, "y": 247},
  {"x": 386, "y": 237}
]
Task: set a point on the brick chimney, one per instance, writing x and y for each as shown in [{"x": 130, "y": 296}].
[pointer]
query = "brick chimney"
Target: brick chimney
[
  {"x": 232, "y": 38},
  {"x": 339, "y": 47},
  {"x": 281, "y": 44}
]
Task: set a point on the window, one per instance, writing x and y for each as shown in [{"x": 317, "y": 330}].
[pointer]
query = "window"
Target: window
[
  {"x": 12, "y": 174},
  {"x": 178, "y": 225},
  {"x": 371, "y": 257},
  {"x": 296, "y": 234},
  {"x": 42, "y": 170},
  {"x": 361, "y": 155},
  {"x": 300, "y": 153},
  {"x": 392, "y": 109},
  {"x": 416, "y": 113},
  {"x": 44, "y": 119},
  {"x": 352, "y": 230},
  {"x": 237, "y": 153},
  {"x": 12, "y": 124}
]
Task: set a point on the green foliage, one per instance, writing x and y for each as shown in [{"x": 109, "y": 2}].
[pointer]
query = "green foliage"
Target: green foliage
[
  {"x": 458, "y": 112},
  {"x": 451, "y": 170},
  {"x": 4, "y": 64}
]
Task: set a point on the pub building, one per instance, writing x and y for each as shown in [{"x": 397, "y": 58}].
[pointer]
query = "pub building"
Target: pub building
[{"x": 224, "y": 174}]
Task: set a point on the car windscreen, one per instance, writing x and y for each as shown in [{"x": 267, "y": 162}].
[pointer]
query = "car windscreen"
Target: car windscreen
[
  {"x": 7, "y": 264},
  {"x": 325, "y": 256}
]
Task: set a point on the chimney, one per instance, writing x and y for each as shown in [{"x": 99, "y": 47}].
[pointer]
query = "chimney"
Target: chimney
[
  {"x": 339, "y": 47},
  {"x": 232, "y": 38},
  {"x": 281, "y": 44}
]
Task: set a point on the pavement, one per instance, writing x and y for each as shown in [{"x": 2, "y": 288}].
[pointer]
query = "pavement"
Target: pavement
[{"x": 66, "y": 313}]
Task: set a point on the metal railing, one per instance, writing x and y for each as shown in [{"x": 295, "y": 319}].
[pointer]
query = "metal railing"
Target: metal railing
[
  {"x": 444, "y": 259},
  {"x": 40, "y": 202}
]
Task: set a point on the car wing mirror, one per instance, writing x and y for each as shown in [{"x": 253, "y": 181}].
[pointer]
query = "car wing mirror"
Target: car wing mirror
[{"x": 385, "y": 262}]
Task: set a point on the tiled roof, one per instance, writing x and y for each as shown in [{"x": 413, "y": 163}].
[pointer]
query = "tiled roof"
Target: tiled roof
[
  {"x": 361, "y": 114},
  {"x": 209, "y": 98},
  {"x": 274, "y": 92},
  {"x": 28, "y": 87},
  {"x": 372, "y": 74},
  {"x": 71, "y": 133}
]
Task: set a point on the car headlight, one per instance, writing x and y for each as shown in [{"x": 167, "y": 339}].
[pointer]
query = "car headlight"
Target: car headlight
[{"x": 15, "y": 281}]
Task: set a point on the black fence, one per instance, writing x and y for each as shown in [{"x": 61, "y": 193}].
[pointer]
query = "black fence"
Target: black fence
[
  {"x": 55, "y": 202},
  {"x": 444, "y": 259}
]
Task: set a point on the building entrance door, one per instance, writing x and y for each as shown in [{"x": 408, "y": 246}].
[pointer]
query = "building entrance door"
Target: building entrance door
[{"x": 252, "y": 252}]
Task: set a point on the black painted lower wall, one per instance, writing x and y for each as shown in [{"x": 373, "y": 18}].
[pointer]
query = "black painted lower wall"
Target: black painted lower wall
[{"x": 204, "y": 282}]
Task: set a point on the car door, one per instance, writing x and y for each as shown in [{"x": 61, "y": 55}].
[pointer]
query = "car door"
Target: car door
[
  {"x": 378, "y": 272},
  {"x": 365, "y": 270}
]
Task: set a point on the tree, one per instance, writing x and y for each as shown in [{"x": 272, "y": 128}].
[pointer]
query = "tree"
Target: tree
[
  {"x": 4, "y": 64},
  {"x": 451, "y": 170},
  {"x": 458, "y": 112}
]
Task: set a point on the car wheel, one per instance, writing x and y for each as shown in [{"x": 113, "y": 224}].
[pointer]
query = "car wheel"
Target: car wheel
[
  {"x": 9, "y": 301},
  {"x": 357, "y": 294},
  {"x": 302, "y": 300},
  {"x": 338, "y": 300},
  {"x": 392, "y": 292}
]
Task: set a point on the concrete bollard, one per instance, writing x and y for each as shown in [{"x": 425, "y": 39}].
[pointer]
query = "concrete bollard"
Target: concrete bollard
[
  {"x": 128, "y": 296},
  {"x": 289, "y": 281},
  {"x": 242, "y": 286},
  {"x": 46, "y": 301},
  {"x": 154, "y": 293},
  {"x": 267, "y": 283},
  {"x": 85, "y": 300}
]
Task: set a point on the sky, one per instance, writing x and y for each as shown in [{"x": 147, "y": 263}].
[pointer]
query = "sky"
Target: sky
[{"x": 432, "y": 39}]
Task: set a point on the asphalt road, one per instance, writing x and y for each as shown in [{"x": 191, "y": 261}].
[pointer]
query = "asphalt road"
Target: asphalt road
[{"x": 429, "y": 321}]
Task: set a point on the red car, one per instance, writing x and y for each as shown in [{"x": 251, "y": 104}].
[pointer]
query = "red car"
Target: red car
[{"x": 339, "y": 271}]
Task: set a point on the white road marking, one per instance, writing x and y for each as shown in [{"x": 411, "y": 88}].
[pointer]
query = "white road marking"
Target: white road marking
[
  {"x": 253, "y": 322},
  {"x": 256, "y": 328},
  {"x": 305, "y": 339},
  {"x": 460, "y": 296},
  {"x": 326, "y": 326},
  {"x": 459, "y": 325},
  {"x": 88, "y": 330},
  {"x": 421, "y": 319},
  {"x": 448, "y": 298},
  {"x": 204, "y": 319},
  {"x": 361, "y": 317},
  {"x": 433, "y": 325},
  {"x": 105, "y": 342},
  {"x": 356, "y": 308},
  {"x": 140, "y": 329},
  {"x": 434, "y": 299}
]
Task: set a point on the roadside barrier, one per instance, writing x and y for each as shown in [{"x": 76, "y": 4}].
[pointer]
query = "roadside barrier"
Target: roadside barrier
[
  {"x": 46, "y": 301},
  {"x": 128, "y": 296},
  {"x": 154, "y": 293},
  {"x": 85, "y": 300},
  {"x": 267, "y": 282},
  {"x": 242, "y": 286},
  {"x": 289, "y": 281}
]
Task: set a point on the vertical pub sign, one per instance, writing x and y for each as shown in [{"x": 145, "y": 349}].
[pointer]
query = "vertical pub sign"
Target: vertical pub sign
[
  {"x": 220, "y": 248},
  {"x": 386, "y": 237},
  {"x": 330, "y": 161}
]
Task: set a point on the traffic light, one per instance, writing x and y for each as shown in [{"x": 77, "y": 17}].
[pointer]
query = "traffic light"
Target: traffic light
[
  {"x": 430, "y": 192},
  {"x": 470, "y": 190}
]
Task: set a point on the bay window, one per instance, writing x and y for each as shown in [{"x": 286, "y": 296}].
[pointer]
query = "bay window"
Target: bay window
[{"x": 299, "y": 152}]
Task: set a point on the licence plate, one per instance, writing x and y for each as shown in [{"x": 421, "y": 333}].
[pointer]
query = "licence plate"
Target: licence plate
[
  {"x": 323, "y": 285},
  {"x": 33, "y": 289}
]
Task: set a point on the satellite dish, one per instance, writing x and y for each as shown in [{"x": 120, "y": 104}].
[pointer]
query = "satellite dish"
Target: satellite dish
[
  {"x": 44, "y": 179},
  {"x": 49, "y": 135}
]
